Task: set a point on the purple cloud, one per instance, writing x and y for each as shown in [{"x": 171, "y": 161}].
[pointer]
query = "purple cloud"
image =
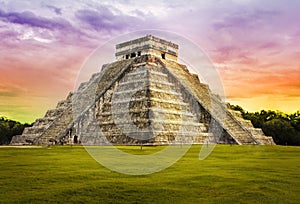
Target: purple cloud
[
  {"x": 104, "y": 19},
  {"x": 243, "y": 19},
  {"x": 55, "y": 9},
  {"x": 7, "y": 34},
  {"x": 30, "y": 19}
]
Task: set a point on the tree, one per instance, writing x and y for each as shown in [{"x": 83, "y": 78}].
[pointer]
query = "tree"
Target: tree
[
  {"x": 282, "y": 131},
  {"x": 4, "y": 132},
  {"x": 9, "y": 128},
  {"x": 284, "y": 128}
]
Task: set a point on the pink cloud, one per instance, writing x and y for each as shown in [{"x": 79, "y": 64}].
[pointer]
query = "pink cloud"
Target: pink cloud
[{"x": 255, "y": 44}]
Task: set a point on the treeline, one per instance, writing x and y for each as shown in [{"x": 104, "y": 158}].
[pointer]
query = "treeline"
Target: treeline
[
  {"x": 9, "y": 128},
  {"x": 284, "y": 128}
]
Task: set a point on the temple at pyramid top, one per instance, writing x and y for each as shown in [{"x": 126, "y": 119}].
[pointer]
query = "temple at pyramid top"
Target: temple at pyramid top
[
  {"x": 147, "y": 45},
  {"x": 144, "y": 98}
]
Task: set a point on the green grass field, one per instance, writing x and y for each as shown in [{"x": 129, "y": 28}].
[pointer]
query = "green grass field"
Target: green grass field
[{"x": 231, "y": 174}]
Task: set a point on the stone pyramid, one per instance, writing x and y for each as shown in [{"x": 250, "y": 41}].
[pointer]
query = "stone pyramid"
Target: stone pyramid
[{"x": 144, "y": 97}]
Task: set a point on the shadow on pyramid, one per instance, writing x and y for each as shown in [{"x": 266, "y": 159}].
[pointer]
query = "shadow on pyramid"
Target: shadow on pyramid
[{"x": 145, "y": 97}]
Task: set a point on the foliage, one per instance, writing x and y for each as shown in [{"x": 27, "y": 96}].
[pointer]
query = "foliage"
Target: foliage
[
  {"x": 9, "y": 128},
  {"x": 284, "y": 128},
  {"x": 231, "y": 174}
]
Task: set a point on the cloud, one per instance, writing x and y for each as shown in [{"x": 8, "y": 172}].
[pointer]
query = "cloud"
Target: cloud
[
  {"x": 11, "y": 90},
  {"x": 44, "y": 44},
  {"x": 104, "y": 19},
  {"x": 245, "y": 82},
  {"x": 245, "y": 19},
  {"x": 28, "y": 18},
  {"x": 7, "y": 34},
  {"x": 55, "y": 9}
]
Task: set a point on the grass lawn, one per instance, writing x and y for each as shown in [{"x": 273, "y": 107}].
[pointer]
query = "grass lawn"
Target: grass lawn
[{"x": 231, "y": 174}]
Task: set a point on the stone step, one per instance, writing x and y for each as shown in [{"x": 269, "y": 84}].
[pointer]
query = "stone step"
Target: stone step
[
  {"x": 265, "y": 140},
  {"x": 82, "y": 86},
  {"x": 169, "y": 92},
  {"x": 175, "y": 112},
  {"x": 34, "y": 130},
  {"x": 163, "y": 133},
  {"x": 158, "y": 77},
  {"x": 154, "y": 110},
  {"x": 157, "y": 73},
  {"x": 156, "y": 121},
  {"x": 142, "y": 80},
  {"x": 133, "y": 73},
  {"x": 44, "y": 121},
  {"x": 95, "y": 76},
  {"x": 168, "y": 101},
  {"x": 126, "y": 92},
  {"x": 141, "y": 83},
  {"x": 54, "y": 112},
  {"x": 256, "y": 131},
  {"x": 57, "y": 127},
  {"x": 91, "y": 82},
  {"x": 144, "y": 73}
]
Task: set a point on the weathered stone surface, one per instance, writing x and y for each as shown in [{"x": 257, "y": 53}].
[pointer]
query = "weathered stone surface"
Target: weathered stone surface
[
  {"x": 147, "y": 45},
  {"x": 145, "y": 99}
]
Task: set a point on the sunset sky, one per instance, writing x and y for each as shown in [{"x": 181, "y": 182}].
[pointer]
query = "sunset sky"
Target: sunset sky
[{"x": 255, "y": 46}]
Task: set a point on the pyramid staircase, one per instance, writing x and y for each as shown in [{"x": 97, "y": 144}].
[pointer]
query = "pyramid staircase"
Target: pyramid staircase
[
  {"x": 239, "y": 129},
  {"x": 145, "y": 99}
]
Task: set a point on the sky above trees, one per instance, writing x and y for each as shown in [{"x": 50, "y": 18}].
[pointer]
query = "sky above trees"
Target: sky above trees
[{"x": 253, "y": 44}]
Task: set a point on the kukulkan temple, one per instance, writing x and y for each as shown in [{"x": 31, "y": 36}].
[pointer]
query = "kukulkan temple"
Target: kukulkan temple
[{"x": 144, "y": 97}]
